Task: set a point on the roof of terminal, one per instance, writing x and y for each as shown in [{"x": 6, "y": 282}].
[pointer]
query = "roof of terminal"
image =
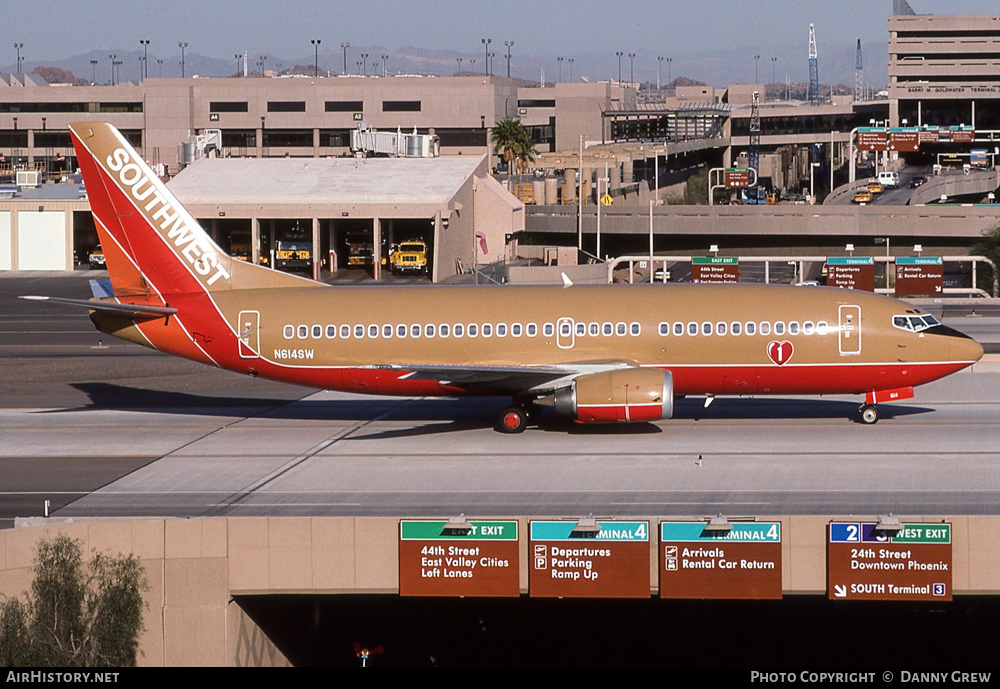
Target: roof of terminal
[{"x": 324, "y": 180}]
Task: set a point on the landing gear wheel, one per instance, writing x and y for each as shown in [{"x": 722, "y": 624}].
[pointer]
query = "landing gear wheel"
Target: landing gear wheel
[
  {"x": 868, "y": 414},
  {"x": 512, "y": 420}
]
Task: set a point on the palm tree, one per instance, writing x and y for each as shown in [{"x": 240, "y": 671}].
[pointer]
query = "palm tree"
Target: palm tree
[{"x": 513, "y": 143}]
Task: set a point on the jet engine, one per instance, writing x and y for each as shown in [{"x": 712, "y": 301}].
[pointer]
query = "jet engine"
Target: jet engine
[{"x": 620, "y": 396}]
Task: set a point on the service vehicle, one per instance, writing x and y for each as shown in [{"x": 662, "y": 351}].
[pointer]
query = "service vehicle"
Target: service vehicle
[
  {"x": 410, "y": 256},
  {"x": 889, "y": 180},
  {"x": 96, "y": 258},
  {"x": 295, "y": 253}
]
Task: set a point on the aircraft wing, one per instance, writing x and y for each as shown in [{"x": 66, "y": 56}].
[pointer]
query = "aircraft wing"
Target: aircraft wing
[
  {"x": 503, "y": 378},
  {"x": 130, "y": 310}
]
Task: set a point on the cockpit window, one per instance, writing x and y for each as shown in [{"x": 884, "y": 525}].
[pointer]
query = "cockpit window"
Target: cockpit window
[{"x": 915, "y": 324}]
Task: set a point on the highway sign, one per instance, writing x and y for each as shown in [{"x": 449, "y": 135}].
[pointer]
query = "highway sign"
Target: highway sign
[
  {"x": 439, "y": 558},
  {"x": 715, "y": 269},
  {"x": 610, "y": 563},
  {"x": 607, "y": 200},
  {"x": 744, "y": 562},
  {"x": 851, "y": 272},
  {"x": 864, "y": 563},
  {"x": 919, "y": 276}
]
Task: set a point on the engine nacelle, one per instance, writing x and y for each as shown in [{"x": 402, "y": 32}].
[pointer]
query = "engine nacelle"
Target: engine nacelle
[{"x": 620, "y": 396}]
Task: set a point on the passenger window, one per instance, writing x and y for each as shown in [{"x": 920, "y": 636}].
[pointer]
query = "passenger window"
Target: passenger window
[
  {"x": 414, "y": 331},
  {"x": 372, "y": 331},
  {"x": 706, "y": 328},
  {"x": 531, "y": 330},
  {"x": 734, "y": 327},
  {"x": 664, "y": 329},
  {"x": 400, "y": 330},
  {"x": 359, "y": 331},
  {"x": 459, "y": 330},
  {"x": 822, "y": 328},
  {"x": 331, "y": 331},
  {"x": 635, "y": 328},
  {"x": 609, "y": 329},
  {"x": 317, "y": 331},
  {"x": 621, "y": 329},
  {"x": 765, "y": 328},
  {"x": 751, "y": 328},
  {"x": 487, "y": 329},
  {"x": 289, "y": 332},
  {"x": 678, "y": 328},
  {"x": 564, "y": 329},
  {"x": 501, "y": 330},
  {"x": 515, "y": 330},
  {"x": 547, "y": 330},
  {"x": 444, "y": 330},
  {"x": 581, "y": 329},
  {"x": 345, "y": 331},
  {"x": 303, "y": 331},
  {"x": 793, "y": 328},
  {"x": 779, "y": 328},
  {"x": 473, "y": 330},
  {"x": 692, "y": 328},
  {"x": 595, "y": 329},
  {"x": 386, "y": 331},
  {"x": 428, "y": 331},
  {"x": 720, "y": 328},
  {"x": 808, "y": 328}
]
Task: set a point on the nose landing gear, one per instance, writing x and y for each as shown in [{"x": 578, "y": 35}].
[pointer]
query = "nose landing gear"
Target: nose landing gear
[{"x": 868, "y": 414}]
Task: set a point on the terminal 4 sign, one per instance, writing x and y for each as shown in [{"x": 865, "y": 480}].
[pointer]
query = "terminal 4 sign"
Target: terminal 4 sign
[
  {"x": 864, "y": 563},
  {"x": 744, "y": 562},
  {"x": 438, "y": 558},
  {"x": 851, "y": 272},
  {"x": 612, "y": 562},
  {"x": 919, "y": 276}
]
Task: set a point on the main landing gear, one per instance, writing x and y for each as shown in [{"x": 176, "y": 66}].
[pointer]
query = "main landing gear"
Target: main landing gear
[
  {"x": 868, "y": 414},
  {"x": 516, "y": 417}
]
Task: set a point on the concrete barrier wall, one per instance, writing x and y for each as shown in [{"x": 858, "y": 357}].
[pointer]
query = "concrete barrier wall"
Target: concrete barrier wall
[{"x": 195, "y": 566}]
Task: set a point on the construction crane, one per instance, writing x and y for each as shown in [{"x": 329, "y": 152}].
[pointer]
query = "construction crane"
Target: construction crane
[
  {"x": 813, "y": 68},
  {"x": 859, "y": 76}
]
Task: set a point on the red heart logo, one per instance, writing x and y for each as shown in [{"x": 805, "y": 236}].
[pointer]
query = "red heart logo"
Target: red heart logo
[{"x": 780, "y": 352}]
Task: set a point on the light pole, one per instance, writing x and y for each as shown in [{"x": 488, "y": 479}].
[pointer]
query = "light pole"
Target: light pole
[
  {"x": 364, "y": 64},
  {"x": 659, "y": 71},
  {"x": 345, "y": 46},
  {"x": 315, "y": 42},
  {"x": 670, "y": 79},
  {"x": 493, "y": 60},
  {"x": 559, "y": 60},
  {"x": 93, "y": 72},
  {"x": 159, "y": 68},
  {"x": 774, "y": 62},
  {"x": 142, "y": 63},
  {"x": 472, "y": 63},
  {"x": 756, "y": 62},
  {"x": 144, "y": 72},
  {"x": 619, "y": 54},
  {"x": 182, "y": 46},
  {"x": 631, "y": 68},
  {"x": 17, "y": 47},
  {"x": 112, "y": 58},
  {"x": 384, "y": 58},
  {"x": 238, "y": 58},
  {"x": 459, "y": 61},
  {"x": 570, "y": 61},
  {"x": 486, "y": 49},
  {"x": 509, "y": 45}
]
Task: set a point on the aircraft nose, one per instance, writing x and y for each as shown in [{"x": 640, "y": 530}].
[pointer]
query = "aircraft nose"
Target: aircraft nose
[{"x": 961, "y": 346}]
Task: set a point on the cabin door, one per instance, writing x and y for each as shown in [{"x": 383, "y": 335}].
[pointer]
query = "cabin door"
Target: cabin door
[
  {"x": 850, "y": 330},
  {"x": 249, "y": 334}
]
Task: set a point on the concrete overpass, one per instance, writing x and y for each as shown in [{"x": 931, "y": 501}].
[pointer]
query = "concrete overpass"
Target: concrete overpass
[{"x": 195, "y": 568}]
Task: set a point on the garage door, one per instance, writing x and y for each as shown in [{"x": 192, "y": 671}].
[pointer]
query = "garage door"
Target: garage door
[
  {"x": 5, "y": 240},
  {"x": 41, "y": 240}
]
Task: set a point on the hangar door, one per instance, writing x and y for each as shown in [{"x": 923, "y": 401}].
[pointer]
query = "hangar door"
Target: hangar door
[
  {"x": 41, "y": 240},
  {"x": 5, "y": 241}
]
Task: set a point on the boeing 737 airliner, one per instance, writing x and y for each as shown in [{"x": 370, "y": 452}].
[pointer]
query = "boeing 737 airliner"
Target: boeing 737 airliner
[{"x": 618, "y": 353}]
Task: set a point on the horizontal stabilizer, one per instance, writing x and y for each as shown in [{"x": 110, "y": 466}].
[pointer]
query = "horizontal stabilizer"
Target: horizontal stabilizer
[
  {"x": 132, "y": 310},
  {"x": 102, "y": 289}
]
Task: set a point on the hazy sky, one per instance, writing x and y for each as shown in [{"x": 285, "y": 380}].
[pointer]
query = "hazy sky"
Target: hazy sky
[{"x": 55, "y": 29}]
